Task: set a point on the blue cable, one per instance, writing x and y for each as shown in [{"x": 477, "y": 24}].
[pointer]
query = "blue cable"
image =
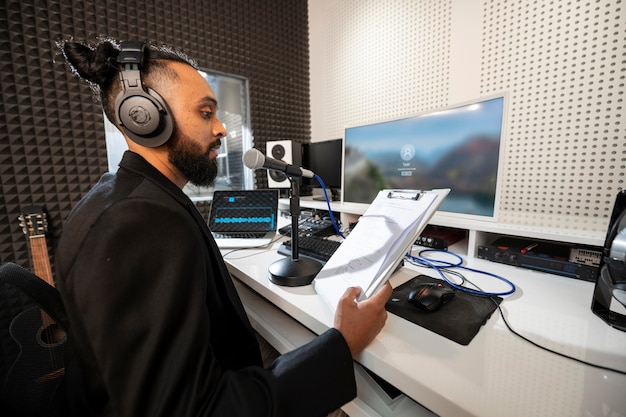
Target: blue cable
[
  {"x": 436, "y": 264},
  {"x": 330, "y": 212},
  {"x": 420, "y": 260},
  {"x": 440, "y": 265}
]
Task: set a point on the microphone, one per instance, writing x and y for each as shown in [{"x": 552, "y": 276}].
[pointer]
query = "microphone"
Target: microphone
[{"x": 254, "y": 159}]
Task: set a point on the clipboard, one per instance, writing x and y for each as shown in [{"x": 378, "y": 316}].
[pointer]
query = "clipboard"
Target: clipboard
[{"x": 373, "y": 250}]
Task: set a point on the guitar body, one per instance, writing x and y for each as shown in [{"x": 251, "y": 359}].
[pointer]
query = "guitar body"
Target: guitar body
[
  {"x": 40, "y": 358},
  {"x": 35, "y": 362}
]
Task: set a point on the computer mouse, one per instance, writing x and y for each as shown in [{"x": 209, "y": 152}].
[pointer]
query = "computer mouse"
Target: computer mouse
[{"x": 430, "y": 296}]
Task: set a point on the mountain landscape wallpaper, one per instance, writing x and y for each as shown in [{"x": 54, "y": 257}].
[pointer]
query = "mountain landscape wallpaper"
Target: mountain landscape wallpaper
[{"x": 457, "y": 149}]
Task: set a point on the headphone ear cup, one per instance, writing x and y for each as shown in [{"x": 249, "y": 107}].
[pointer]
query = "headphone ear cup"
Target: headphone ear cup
[{"x": 144, "y": 116}]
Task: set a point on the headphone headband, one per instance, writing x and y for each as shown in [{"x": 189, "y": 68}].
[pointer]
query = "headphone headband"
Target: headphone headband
[{"x": 132, "y": 52}]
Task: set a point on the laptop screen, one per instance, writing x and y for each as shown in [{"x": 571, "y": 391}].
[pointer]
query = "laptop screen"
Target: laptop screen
[{"x": 244, "y": 211}]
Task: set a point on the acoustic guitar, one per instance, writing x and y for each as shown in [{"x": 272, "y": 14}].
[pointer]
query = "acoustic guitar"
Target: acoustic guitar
[{"x": 34, "y": 324}]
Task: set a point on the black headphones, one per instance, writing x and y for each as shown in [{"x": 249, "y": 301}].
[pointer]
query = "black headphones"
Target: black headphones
[{"x": 142, "y": 112}]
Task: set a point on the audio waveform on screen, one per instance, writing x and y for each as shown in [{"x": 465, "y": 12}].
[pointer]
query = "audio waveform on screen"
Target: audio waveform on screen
[{"x": 231, "y": 220}]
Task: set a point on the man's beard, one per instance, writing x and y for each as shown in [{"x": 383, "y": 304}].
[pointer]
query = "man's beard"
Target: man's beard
[{"x": 188, "y": 158}]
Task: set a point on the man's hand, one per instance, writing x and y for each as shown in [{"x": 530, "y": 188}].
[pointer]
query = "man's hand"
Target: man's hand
[{"x": 359, "y": 323}]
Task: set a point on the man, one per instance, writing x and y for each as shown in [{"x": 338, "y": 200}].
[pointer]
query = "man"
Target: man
[{"x": 157, "y": 325}]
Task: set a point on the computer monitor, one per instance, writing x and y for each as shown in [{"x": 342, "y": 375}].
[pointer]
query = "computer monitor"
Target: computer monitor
[
  {"x": 457, "y": 147},
  {"x": 324, "y": 159}
]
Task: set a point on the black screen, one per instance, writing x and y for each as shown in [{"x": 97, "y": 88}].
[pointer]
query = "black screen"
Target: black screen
[{"x": 324, "y": 159}]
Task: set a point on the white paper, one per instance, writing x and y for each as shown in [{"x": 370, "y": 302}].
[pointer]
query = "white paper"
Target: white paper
[{"x": 377, "y": 244}]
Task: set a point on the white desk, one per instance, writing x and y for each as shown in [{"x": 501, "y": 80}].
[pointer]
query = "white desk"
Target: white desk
[{"x": 497, "y": 374}]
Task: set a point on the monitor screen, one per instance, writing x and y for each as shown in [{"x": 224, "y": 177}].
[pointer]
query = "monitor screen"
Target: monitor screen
[
  {"x": 456, "y": 147},
  {"x": 324, "y": 159}
]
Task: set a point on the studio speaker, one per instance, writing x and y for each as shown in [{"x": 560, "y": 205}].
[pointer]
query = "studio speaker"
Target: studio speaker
[
  {"x": 609, "y": 296},
  {"x": 286, "y": 151}
]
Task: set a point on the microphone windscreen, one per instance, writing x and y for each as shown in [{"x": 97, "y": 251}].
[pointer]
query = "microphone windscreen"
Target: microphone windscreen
[{"x": 253, "y": 159}]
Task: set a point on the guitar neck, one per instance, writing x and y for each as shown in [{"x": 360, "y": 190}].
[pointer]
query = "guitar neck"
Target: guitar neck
[{"x": 41, "y": 262}]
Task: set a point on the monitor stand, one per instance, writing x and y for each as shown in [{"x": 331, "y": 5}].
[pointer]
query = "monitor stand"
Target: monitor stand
[{"x": 334, "y": 195}]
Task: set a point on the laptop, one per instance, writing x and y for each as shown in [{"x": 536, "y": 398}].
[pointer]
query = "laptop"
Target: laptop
[{"x": 243, "y": 218}]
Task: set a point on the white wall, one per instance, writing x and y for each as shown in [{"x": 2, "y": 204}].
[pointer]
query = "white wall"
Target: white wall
[{"x": 563, "y": 64}]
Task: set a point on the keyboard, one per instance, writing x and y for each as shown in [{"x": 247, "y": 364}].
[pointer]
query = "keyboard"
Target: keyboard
[{"x": 312, "y": 247}]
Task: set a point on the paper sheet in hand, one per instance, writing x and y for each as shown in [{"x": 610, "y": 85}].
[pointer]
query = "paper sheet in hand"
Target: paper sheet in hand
[{"x": 377, "y": 244}]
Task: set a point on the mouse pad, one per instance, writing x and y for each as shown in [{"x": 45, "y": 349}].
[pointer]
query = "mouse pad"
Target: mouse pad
[{"x": 458, "y": 320}]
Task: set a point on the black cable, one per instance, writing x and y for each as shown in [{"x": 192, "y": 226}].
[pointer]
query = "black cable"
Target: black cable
[
  {"x": 606, "y": 368},
  {"x": 508, "y": 326}
]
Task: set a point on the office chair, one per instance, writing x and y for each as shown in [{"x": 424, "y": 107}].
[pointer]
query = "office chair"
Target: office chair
[{"x": 33, "y": 336}]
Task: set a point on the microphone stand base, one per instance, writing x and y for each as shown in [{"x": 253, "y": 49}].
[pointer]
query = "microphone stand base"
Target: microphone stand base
[{"x": 294, "y": 272}]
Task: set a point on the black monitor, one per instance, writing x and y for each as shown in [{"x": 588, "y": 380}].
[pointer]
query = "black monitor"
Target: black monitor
[
  {"x": 324, "y": 159},
  {"x": 457, "y": 147}
]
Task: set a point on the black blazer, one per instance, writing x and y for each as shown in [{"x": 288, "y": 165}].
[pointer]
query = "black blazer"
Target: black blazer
[{"x": 158, "y": 327}]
